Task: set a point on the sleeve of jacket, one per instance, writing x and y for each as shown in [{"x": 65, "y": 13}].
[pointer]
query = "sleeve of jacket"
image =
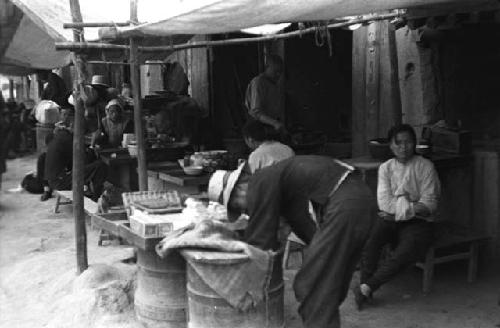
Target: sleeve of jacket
[
  {"x": 430, "y": 187},
  {"x": 385, "y": 199},
  {"x": 255, "y": 99}
]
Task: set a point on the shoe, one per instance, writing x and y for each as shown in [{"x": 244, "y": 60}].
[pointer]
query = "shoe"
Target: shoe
[
  {"x": 46, "y": 195},
  {"x": 359, "y": 298}
]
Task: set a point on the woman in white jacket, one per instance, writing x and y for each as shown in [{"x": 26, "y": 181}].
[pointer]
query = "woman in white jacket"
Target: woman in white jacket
[{"x": 407, "y": 195}]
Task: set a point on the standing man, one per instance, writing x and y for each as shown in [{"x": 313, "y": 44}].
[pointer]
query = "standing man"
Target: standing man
[
  {"x": 263, "y": 98},
  {"x": 346, "y": 211}
]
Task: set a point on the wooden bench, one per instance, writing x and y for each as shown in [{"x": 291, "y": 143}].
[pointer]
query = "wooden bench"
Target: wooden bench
[
  {"x": 453, "y": 242},
  {"x": 91, "y": 208},
  {"x": 65, "y": 197}
]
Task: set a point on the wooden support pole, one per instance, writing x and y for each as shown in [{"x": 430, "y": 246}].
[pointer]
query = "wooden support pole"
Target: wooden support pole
[
  {"x": 78, "y": 150},
  {"x": 136, "y": 90}
]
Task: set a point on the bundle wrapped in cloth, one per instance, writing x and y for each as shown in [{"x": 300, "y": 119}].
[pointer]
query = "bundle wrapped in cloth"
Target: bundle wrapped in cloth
[{"x": 243, "y": 285}]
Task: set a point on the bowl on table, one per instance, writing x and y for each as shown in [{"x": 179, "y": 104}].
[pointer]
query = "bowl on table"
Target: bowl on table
[
  {"x": 423, "y": 150},
  {"x": 193, "y": 170}
]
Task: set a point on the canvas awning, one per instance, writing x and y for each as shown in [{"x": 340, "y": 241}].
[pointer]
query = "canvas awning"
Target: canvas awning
[
  {"x": 31, "y": 44},
  {"x": 221, "y": 16},
  {"x": 30, "y": 41}
]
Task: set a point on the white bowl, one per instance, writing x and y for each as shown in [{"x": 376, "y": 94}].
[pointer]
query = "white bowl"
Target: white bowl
[
  {"x": 193, "y": 170},
  {"x": 132, "y": 150}
]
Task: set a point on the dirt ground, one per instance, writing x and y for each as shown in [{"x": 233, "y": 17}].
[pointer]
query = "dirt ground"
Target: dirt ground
[{"x": 39, "y": 286}]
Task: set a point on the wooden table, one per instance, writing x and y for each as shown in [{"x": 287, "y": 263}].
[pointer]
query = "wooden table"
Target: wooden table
[
  {"x": 122, "y": 172},
  {"x": 171, "y": 176}
]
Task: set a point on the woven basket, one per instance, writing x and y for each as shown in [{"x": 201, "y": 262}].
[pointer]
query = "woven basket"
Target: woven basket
[{"x": 130, "y": 197}]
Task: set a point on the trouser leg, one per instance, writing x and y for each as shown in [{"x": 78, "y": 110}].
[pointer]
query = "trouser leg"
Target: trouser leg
[
  {"x": 95, "y": 174},
  {"x": 383, "y": 233},
  {"x": 322, "y": 283},
  {"x": 414, "y": 237},
  {"x": 62, "y": 182}
]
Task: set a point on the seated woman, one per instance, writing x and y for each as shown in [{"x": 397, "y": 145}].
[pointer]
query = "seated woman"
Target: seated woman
[
  {"x": 113, "y": 126},
  {"x": 407, "y": 195}
]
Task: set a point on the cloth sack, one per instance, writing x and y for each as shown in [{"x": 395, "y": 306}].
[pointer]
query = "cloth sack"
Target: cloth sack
[
  {"x": 46, "y": 112},
  {"x": 243, "y": 285}
]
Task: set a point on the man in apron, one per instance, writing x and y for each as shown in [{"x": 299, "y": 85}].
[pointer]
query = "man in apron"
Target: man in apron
[{"x": 346, "y": 210}]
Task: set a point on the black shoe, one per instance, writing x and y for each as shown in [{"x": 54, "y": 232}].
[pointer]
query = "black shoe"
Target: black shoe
[
  {"x": 359, "y": 298},
  {"x": 46, "y": 195}
]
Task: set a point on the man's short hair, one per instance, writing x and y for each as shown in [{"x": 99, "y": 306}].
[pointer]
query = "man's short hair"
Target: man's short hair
[
  {"x": 401, "y": 128},
  {"x": 256, "y": 130}
]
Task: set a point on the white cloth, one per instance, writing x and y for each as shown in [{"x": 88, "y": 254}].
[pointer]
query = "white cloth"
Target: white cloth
[
  {"x": 417, "y": 179},
  {"x": 268, "y": 153},
  {"x": 46, "y": 112}
]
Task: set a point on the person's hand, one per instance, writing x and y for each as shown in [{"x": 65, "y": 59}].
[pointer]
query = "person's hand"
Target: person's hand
[
  {"x": 278, "y": 126},
  {"x": 386, "y": 216}
]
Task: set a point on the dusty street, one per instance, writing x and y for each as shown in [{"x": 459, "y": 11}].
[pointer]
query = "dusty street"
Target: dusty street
[{"x": 38, "y": 288}]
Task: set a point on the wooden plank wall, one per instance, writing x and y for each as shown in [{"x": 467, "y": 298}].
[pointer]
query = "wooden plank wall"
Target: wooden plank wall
[
  {"x": 376, "y": 104},
  {"x": 418, "y": 86}
]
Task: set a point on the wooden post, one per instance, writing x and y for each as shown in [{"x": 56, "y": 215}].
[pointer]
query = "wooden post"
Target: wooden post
[
  {"x": 78, "y": 150},
  {"x": 372, "y": 80},
  {"x": 359, "y": 145},
  {"x": 135, "y": 79}
]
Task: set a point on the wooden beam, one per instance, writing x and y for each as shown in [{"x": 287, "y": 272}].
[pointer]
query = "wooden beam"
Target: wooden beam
[
  {"x": 135, "y": 79},
  {"x": 79, "y": 149}
]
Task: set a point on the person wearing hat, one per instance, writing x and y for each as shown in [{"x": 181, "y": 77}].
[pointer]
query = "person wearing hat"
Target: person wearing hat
[
  {"x": 95, "y": 98},
  {"x": 113, "y": 126},
  {"x": 346, "y": 211}
]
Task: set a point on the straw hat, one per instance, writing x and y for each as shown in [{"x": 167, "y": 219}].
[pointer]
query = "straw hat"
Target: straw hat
[
  {"x": 222, "y": 183},
  {"x": 99, "y": 81}
]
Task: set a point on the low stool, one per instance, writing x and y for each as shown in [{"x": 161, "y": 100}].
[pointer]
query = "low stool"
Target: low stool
[
  {"x": 453, "y": 242},
  {"x": 293, "y": 244}
]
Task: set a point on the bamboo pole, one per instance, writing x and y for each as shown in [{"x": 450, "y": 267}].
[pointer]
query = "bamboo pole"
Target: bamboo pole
[
  {"x": 78, "y": 150},
  {"x": 159, "y": 62},
  {"x": 203, "y": 44},
  {"x": 95, "y": 24},
  {"x": 136, "y": 90}
]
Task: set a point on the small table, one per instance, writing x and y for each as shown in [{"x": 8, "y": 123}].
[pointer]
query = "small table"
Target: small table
[
  {"x": 122, "y": 168},
  {"x": 173, "y": 177}
]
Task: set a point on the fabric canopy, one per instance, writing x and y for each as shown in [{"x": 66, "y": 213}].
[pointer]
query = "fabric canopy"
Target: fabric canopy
[
  {"x": 31, "y": 45},
  {"x": 221, "y": 16}
]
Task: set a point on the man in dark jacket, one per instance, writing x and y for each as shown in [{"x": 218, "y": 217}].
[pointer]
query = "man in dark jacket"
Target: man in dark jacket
[
  {"x": 346, "y": 211},
  {"x": 59, "y": 161}
]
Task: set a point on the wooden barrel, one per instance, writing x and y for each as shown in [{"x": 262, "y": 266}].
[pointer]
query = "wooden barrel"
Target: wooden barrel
[
  {"x": 160, "y": 298},
  {"x": 42, "y": 130},
  {"x": 208, "y": 310}
]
